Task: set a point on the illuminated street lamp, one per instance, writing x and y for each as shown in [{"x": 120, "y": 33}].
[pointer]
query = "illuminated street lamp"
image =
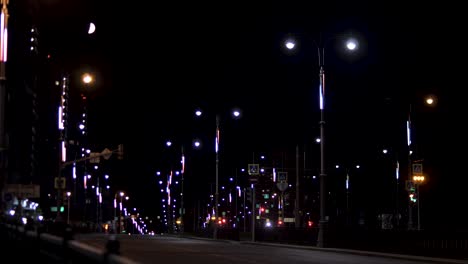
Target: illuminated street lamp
[
  {"x": 87, "y": 78},
  {"x": 92, "y": 28},
  {"x": 351, "y": 45}
]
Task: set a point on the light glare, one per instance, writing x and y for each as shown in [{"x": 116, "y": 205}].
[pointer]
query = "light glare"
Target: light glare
[{"x": 290, "y": 45}]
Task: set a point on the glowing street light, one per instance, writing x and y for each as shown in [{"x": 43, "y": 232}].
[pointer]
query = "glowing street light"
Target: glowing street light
[
  {"x": 92, "y": 28},
  {"x": 87, "y": 78}
]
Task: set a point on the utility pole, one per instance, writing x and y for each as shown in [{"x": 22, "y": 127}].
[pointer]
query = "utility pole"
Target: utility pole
[
  {"x": 3, "y": 60},
  {"x": 253, "y": 213},
  {"x": 410, "y": 205},
  {"x": 60, "y": 182},
  {"x": 244, "y": 205},
  {"x": 297, "y": 219},
  {"x": 182, "y": 209},
  {"x": 216, "y": 214}
]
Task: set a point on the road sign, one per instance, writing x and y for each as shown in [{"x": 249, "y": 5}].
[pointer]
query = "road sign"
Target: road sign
[
  {"x": 106, "y": 153},
  {"x": 417, "y": 169},
  {"x": 409, "y": 185},
  {"x": 59, "y": 183},
  {"x": 23, "y": 190},
  {"x": 253, "y": 169},
  {"x": 282, "y": 176}
]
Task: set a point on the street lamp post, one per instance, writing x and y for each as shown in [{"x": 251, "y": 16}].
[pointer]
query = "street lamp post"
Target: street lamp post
[
  {"x": 182, "y": 172},
  {"x": 395, "y": 165},
  {"x": 121, "y": 194},
  {"x": 348, "y": 191},
  {"x": 215, "y": 232},
  {"x": 323, "y": 222},
  {"x": 182, "y": 209},
  {"x": 416, "y": 179},
  {"x": 68, "y": 207},
  {"x": 236, "y": 114},
  {"x": 3, "y": 93}
]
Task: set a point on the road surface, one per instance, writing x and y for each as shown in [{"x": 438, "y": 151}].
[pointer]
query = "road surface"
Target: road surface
[{"x": 170, "y": 249}]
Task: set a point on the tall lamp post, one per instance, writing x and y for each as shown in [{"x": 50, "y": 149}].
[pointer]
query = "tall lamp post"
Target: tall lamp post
[
  {"x": 68, "y": 207},
  {"x": 215, "y": 232},
  {"x": 236, "y": 114},
  {"x": 3, "y": 92},
  {"x": 396, "y": 166},
  {"x": 121, "y": 194},
  {"x": 415, "y": 178},
  {"x": 182, "y": 172},
  {"x": 182, "y": 209},
  {"x": 60, "y": 182},
  {"x": 348, "y": 190},
  {"x": 351, "y": 45}
]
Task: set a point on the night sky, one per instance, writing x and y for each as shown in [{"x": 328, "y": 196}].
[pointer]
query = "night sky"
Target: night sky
[{"x": 156, "y": 63}]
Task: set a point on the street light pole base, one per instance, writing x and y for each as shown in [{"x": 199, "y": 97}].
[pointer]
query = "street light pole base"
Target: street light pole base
[{"x": 322, "y": 241}]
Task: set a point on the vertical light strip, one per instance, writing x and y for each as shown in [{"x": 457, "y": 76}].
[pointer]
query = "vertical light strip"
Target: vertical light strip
[
  {"x": 4, "y": 31},
  {"x": 321, "y": 97},
  {"x": 217, "y": 140},
  {"x": 74, "y": 170},
  {"x": 60, "y": 121},
  {"x": 64, "y": 152},
  {"x": 397, "y": 173},
  {"x": 408, "y": 132},
  {"x": 5, "y": 44},
  {"x": 2, "y": 26},
  {"x": 183, "y": 163},
  {"x": 347, "y": 181}
]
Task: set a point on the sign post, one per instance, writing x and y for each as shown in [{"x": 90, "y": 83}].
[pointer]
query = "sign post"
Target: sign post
[{"x": 282, "y": 185}]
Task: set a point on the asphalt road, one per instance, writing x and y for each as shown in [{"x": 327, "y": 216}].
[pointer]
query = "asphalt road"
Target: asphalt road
[{"x": 169, "y": 249}]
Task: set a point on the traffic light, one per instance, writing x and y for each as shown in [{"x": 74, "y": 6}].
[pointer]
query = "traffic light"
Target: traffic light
[
  {"x": 412, "y": 197},
  {"x": 248, "y": 194}
]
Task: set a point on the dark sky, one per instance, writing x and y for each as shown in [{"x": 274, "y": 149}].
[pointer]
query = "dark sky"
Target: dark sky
[{"x": 156, "y": 62}]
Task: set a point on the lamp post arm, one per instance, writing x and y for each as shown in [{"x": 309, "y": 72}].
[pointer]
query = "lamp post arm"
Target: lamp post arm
[{"x": 66, "y": 163}]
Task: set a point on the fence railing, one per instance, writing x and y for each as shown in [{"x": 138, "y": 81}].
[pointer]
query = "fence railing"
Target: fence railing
[{"x": 34, "y": 244}]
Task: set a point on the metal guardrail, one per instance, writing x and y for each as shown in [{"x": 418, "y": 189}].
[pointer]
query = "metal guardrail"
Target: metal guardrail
[{"x": 62, "y": 249}]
